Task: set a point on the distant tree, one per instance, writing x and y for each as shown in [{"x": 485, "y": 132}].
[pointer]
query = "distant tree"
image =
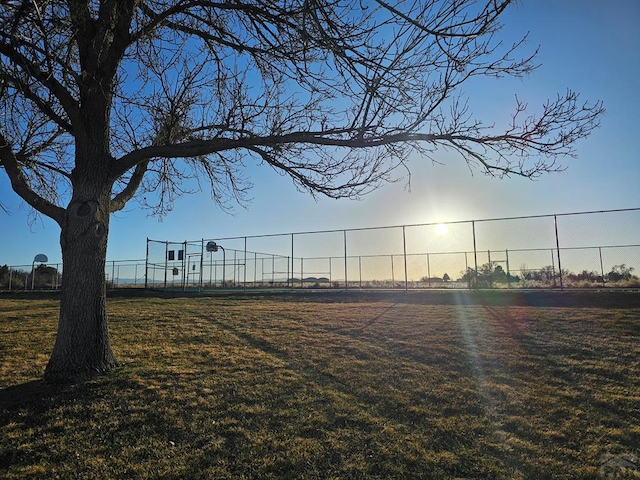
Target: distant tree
[
  {"x": 102, "y": 100},
  {"x": 473, "y": 278},
  {"x": 446, "y": 278},
  {"x": 547, "y": 273},
  {"x": 45, "y": 276},
  {"x": 45, "y": 270},
  {"x": 4, "y": 276},
  {"x": 620, "y": 272},
  {"x": 499, "y": 275},
  {"x": 488, "y": 273},
  {"x": 465, "y": 276},
  {"x": 12, "y": 277},
  {"x": 584, "y": 276}
]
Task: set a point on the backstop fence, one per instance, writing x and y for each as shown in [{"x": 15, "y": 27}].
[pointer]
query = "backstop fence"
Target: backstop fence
[{"x": 573, "y": 250}]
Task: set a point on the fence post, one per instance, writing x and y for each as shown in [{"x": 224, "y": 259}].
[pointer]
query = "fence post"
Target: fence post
[
  {"x": 428, "y": 272},
  {"x": 466, "y": 269},
  {"x": 185, "y": 272},
  {"x": 262, "y": 271},
  {"x": 346, "y": 273},
  {"x": 393, "y": 277},
  {"x": 506, "y": 254},
  {"x": 404, "y": 253},
  {"x": 245, "y": 264},
  {"x": 475, "y": 253},
  {"x": 166, "y": 262},
  {"x": 555, "y": 223},
  {"x": 601, "y": 265},
  {"x": 292, "y": 263},
  {"x": 201, "y": 265},
  {"x": 146, "y": 267},
  {"x": 235, "y": 267},
  {"x": 288, "y": 276}
]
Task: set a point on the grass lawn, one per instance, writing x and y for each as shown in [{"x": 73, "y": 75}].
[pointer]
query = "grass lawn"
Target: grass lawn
[{"x": 321, "y": 386}]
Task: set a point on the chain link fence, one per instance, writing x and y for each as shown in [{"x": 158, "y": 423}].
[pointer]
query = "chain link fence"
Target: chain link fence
[
  {"x": 577, "y": 250},
  {"x": 118, "y": 273}
]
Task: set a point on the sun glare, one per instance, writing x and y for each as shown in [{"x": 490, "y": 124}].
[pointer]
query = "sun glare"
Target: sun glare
[{"x": 441, "y": 229}]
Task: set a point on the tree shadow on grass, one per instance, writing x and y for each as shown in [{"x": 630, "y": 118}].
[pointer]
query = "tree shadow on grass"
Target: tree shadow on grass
[
  {"x": 68, "y": 431},
  {"x": 29, "y": 394},
  {"x": 37, "y": 397},
  {"x": 592, "y": 298},
  {"x": 25, "y": 407}
]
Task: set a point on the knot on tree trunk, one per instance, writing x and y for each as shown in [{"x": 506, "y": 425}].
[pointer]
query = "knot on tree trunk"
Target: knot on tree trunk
[
  {"x": 83, "y": 218},
  {"x": 99, "y": 230},
  {"x": 83, "y": 209}
]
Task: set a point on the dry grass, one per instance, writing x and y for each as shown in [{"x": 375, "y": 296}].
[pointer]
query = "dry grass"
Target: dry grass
[{"x": 328, "y": 386}]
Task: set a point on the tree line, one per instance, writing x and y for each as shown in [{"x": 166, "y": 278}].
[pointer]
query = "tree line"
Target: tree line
[
  {"x": 41, "y": 277},
  {"x": 491, "y": 273}
]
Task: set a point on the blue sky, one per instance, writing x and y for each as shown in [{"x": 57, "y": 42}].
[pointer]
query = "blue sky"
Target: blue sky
[{"x": 590, "y": 46}]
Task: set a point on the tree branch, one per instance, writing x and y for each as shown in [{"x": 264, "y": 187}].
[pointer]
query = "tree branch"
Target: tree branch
[
  {"x": 42, "y": 105},
  {"x": 488, "y": 17},
  {"x": 120, "y": 200},
  {"x": 21, "y": 186},
  {"x": 333, "y": 93},
  {"x": 46, "y": 79}
]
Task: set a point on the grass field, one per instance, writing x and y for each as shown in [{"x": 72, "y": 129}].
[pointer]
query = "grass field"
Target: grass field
[{"x": 320, "y": 386}]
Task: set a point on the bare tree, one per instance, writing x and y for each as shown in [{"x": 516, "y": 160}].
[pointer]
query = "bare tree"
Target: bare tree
[{"x": 103, "y": 100}]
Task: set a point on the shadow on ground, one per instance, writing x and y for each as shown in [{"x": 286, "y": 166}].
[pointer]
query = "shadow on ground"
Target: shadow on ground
[{"x": 594, "y": 298}]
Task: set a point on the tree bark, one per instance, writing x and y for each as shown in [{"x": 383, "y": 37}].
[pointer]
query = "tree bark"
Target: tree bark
[{"x": 82, "y": 348}]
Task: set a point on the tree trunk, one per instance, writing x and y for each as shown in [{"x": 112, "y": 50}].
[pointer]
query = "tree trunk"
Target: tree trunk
[{"x": 82, "y": 347}]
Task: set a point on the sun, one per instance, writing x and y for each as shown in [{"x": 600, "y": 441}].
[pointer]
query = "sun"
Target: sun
[{"x": 441, "y": 229}]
